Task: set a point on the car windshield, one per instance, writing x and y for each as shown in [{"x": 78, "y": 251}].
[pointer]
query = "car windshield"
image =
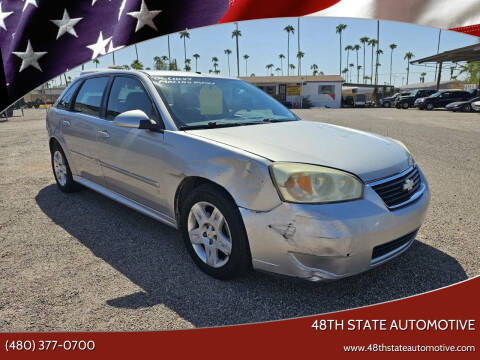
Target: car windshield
[
  {"x": 405, "y": 94},
  {"x": 438, "y": 93},
  {"x": 474, "y": 99},
  {"x": 415, "y": 92},
  {"x": 203, "y": 102}
]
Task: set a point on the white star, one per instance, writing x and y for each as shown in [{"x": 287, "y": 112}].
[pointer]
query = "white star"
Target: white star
[
  {"x": 99, "y": 47},
  {"x": 122, "y": 7},
  {"x": 66, "y": 25},
  {"x": 29, "y": 57},
  {"x": 29, "y": 2},
  {"x": 3, "y": 16},
  {"x": 111, "y": 48},
  {"x": 144, "y": 17}
]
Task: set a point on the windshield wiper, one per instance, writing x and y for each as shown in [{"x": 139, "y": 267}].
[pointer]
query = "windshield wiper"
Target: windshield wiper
[
  {"x": 214, "y": 124},
  {"x": 268, "y": 120}
]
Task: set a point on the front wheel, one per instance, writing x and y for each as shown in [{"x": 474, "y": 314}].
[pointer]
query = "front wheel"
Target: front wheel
[
  {"x": 429, "y": 107},
  {"x": 467, "y": 108},
  {"x": 405, "y": 105},
  {"x": 386, "y": 104},
  {"x": 214, "y": 233}
]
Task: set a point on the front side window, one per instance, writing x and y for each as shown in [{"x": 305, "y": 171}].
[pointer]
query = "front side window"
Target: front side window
[
  {"x": 89, "y": 98},
  {"x": 128, "y": 94},
  {"x": 64, "y": 102},
  {"x": 202, "y": 102}
]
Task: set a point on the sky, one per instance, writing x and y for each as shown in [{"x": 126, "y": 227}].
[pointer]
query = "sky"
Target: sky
[{"x": 264, "y": 40}]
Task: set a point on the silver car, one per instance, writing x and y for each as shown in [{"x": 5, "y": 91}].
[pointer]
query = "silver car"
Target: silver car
[{"x": 248, "y": 183}]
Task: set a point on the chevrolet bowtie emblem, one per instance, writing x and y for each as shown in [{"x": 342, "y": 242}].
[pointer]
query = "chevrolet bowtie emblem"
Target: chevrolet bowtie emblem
[{"x": 408, "y": 185}]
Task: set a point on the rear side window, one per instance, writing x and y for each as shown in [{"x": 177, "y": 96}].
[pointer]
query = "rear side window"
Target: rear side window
[
  {"x": 64, "y": 102},
  {"x": 89, "y": 98},
  {"x": 128, "y": 94}
]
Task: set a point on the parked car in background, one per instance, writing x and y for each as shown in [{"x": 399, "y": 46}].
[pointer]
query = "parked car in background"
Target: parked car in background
[
  {"x": 245, "y": 180},
  {"x": 476, "y": 105},
  {"x": 465, "y": 106},
  {"x": 408, "y": 101},
  {"x": 360, "y": 100},
  {"x": 444, "y": 97},
  {"x": 389, "y": 101}
]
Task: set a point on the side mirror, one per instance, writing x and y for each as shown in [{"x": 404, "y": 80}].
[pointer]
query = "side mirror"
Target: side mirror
[{"x": 134, "y": 119}]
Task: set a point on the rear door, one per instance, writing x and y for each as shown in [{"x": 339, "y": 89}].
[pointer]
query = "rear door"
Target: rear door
[
  {"x": 131, "y": 159},
  {"x": 80, "y": 127}
]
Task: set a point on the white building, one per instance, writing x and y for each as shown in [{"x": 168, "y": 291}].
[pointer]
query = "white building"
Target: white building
[{"x": 321, "y": 90}]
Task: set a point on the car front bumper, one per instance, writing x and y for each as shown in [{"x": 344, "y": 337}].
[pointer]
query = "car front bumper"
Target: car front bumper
[{"x": 332, "y": 241}]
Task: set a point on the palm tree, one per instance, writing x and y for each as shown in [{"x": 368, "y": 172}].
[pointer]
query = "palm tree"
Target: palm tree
[
  {"x": 348, "y": 48},
  {"x": 187, "y": 64},
  {"x": 246, "y": 60},
  {"x": 169, "y": 62},
  {"x": 228, "y": 52},
  {"x": 290, "y": 30},
  {"x": 185, "y": 35},
  {"x": 372, "y": 43},
  {"x": 236, "y": 34},
  {"x": 340, "y": 28},
  {"x": 378, "y": 52},
  {"x": 300, "y": 55},
  {"x": 359, "y": 67},
  {"x": 452, "y": 69},
  {"x": 351, "y": 70},
  {"x": 137, "y": 65},
  {"x": 113, "y": 57},
  {"x": 408, "y": 56},
  {"x": 215, "y": 62},
  {"x": 96, "y": 62},
  {"x": 345, "y": 72},
  {"x": 392, "y": 47},
  {"x": 356, "y": 47},
  {"x": 281, "y": 57},
  {"x": 136, "y": 51},
  {"x": 314, "y": 69},
  {"x": 269, "y": 67},
  {"x": 277, "y": 70},
  {"x": 196, "y": 56},
  {"x": 158, "y": 63},
  {"x": 472, "y": 68},
  {"x": 126, "y": 67},
  {"x": 422, "y": 77},
  {"x": 292, "y": 67},
  {"x": 364, "y": 40}
]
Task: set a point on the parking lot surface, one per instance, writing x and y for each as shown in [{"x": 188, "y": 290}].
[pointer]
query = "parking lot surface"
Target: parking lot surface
[{"x": 83, "y": 262}]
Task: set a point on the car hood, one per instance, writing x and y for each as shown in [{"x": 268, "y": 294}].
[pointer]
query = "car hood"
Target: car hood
[{"x": 369, "y": 156}]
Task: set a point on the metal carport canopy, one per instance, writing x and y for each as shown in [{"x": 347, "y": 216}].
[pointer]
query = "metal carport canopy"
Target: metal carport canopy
[{"x": 467, "y": 53}]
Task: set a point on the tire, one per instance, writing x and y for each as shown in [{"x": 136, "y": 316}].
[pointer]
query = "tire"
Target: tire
[
  {"x": 398, "y": 106},
  {"x": 467, "y": 108},
  {"x": 61, "y": 170},
  {"x": 212, "y": 239},
  {"x": 387, "y": 104},
  {"x": 429, "y": 107},
  {"x": 405, "y": 105}
]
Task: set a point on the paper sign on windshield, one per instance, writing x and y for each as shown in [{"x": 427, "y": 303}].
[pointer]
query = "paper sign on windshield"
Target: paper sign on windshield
[{"x": 211, "y": 100}]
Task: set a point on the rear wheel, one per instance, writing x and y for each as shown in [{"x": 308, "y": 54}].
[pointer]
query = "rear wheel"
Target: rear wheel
[
  {"x": 61, "y": 170},
  {"x": 467, "y": 108},
  {"x": 405, "y": 105},
  {"x": 429, "y": 106},
  {"x": 214, "y": 233}
]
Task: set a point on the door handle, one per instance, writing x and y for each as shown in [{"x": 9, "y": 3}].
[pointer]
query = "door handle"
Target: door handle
[
  {"x": 103, "y": 134},
  {"x": 66, "y": 123}
]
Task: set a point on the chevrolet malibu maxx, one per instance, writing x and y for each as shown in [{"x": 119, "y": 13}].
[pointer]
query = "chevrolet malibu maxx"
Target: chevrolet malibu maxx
[{"x": 248, "y": 183}]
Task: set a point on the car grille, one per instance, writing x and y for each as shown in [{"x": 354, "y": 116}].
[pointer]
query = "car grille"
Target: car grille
[
  {"x": 396, "y": 192},
  {"x": 389, "y": 247}
]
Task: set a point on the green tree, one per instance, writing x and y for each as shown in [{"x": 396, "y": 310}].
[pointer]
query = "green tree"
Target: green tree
[
  {"x": 136, "y": 65},
  {"x": 96, "y": 62},
  {"x": 277, "y": 70},
  {"x": 372, "y": 43},
  {"x": 472, "y": 70},
  {"x": 364, "y": 40},
  {"x": 290, "y": 30},
  {"x": 245, "y": 57},
  {"x": 236, "y": 34},
  {"x": 185, "y": 35},
  {"x": 159, "y": 64},
  {"x": 422, "y": 77},
  {"x": 348, "y": 48},
  {"x": 269, "y": 68},
  {"x": 281, "y": 57},
  {"x": 215, "y": 63},
  {"x": 408, "y": 56},
  {"x": 228, "y": 52},
  {"x": 393, "y": 46},
  {"x": 300, "y": 55},
  {"x": 356, "y": 47},
  {"x": 339, "y": 30},
  {"x": 196, "y": 57},
  {"x": 314, "y": 69}
]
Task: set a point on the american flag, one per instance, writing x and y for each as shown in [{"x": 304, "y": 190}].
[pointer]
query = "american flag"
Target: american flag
[{"x": 41, "y": 39}]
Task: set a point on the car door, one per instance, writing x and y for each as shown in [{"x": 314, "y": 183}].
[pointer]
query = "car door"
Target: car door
[
  {"x": 131, "y": 159},
  {"x": 80, "y": 127},
  {"x": 446, "y": 98}
]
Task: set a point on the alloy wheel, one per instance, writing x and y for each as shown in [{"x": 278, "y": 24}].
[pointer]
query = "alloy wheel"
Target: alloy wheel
[
  {"x": 209, "y": 234},
  {"x": 60, "y": 168}
]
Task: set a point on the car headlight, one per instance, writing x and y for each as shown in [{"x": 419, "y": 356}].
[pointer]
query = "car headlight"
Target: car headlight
[
  {"x": 411, "y": 160},
  {"x": 304, "y": 183}
]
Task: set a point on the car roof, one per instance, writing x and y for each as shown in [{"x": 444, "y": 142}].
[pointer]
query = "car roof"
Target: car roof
[{"x": 152, "y": 73}]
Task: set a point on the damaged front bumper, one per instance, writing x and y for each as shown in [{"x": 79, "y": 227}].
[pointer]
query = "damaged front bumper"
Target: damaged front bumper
[{"x": 332, "y": 241}]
